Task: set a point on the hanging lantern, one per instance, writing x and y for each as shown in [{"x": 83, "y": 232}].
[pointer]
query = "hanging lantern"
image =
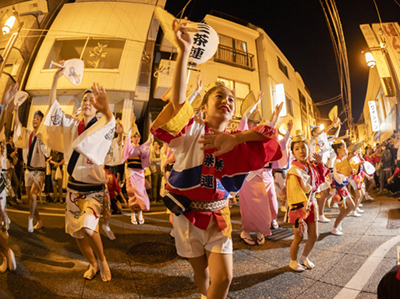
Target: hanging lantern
[
  {"x": 370, "y": 59},
  {"x": 205, "y": 42},
  {"x": 205, "y": 39}
]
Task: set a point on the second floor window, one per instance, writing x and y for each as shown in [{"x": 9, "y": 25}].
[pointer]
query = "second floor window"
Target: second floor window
[
  {"x": 234, "y": 52},
  {"x": 97, "y": 53},
  {"x": 283, "y": 67}
]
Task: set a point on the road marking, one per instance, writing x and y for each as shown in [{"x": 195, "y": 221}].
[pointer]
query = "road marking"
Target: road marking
[{"x": 356, "y": 284}]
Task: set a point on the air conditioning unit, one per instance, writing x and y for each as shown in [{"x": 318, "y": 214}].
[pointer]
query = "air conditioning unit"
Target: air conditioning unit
[{"x": 164, "y": 76}]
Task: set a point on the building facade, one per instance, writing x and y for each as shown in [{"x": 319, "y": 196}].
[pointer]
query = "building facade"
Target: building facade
[
  {"x": 247, "y": 59},
  {"x": 380, "y": 113}
]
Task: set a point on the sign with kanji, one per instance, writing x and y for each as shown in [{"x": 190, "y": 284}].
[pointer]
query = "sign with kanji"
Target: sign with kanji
[{"x": 374, "y": 116}]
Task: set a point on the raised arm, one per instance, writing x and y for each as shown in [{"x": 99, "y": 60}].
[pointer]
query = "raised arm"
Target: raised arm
[
  {"x": 53, "y": 92},
  {"x": 119, "y": 129},
  {"x": 8, "y": 103},
  {"x": 197, "y": 91},
  {"x": 184, "y": 42}
]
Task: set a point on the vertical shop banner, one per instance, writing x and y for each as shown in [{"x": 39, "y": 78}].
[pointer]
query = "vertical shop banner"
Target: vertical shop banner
[
  {"x": 391, "y": 33},
  {"x": 374, "y": 116},
  {"x": 380, "y": 59}
]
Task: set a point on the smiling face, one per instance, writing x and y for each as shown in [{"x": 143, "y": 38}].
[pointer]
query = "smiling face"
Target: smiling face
[
  {"x": 86, "y": 106},
  {"x": 156, "y": 145},
  {"x": 135, "y": 139},
  {"x": 220, "y": 105},
  {"x": 37, "y": 119},
  {"x": 300, "y": 151}
]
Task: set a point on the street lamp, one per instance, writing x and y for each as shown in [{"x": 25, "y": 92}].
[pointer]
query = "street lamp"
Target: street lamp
[
  {"x": 370, "y": 59},
  {"x": 8, "y": 25}
]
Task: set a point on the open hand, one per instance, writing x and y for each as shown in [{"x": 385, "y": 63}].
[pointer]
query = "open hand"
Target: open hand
[
  {"x": 100, "y": 101},
  {"x": 133, "y": 123},
  {"x": 290, "y": 125},
  {"x": 182, "y": 37},
  {"x": 317, "y": 158},
  {"x": 222, "y": 141},
  {"x": 60, "y": 71}
]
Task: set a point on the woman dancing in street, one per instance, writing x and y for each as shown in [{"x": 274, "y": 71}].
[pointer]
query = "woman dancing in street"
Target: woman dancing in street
[
  {"x": 206, "y": 155},
  {"x": 138, "y": 159},
  {"x": 85, "y": 143}
]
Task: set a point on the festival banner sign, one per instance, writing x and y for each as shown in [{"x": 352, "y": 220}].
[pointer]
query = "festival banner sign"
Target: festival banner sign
[
  {"x": 374, "y": 116},
  {"x": 380, "y": 59}
]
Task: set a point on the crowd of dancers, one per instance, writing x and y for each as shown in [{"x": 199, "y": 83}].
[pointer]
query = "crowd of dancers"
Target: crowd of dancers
[{"x": 196, "y": 166}]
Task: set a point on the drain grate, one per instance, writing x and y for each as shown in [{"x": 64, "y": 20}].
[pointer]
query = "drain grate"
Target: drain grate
[
  {"x": 152, "y": 252},
  {"x": 394, "y": 219},
  {"x": 280, "y": 234}
]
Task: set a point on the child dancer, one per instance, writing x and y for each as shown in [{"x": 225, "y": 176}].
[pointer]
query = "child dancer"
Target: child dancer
[
  {"x": 356, "y": 182},
  {"x": 203, "y": 234},
  {"x": 303, "y": 180},
  {"x": 138, "y": 159},
  {"x": 341, "y": 173},
  {"x": 85, "y": 144},
  {"x": 35, "y": 154},
  {"x": 8, "y": 258},
  {"x": 319, "y": 144}
]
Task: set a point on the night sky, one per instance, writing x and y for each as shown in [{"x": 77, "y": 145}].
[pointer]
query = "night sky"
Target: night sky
[{"x": 299, "y": 29}]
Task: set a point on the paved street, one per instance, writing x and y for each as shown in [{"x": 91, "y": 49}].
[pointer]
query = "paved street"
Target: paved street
[{"x": 144, "y": 263}]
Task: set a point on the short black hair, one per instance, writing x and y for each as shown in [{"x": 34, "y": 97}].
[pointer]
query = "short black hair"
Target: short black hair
[
  {"x": 336, "y": 147},
  {"x": 40, "y": 113}
]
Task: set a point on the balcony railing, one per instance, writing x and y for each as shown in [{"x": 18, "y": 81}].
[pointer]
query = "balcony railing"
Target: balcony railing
[{"x": 234, "y": 57}]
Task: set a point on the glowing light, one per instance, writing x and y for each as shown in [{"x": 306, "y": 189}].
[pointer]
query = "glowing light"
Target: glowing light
[
  {"x": 8, "y": 25},
  {"x": 370, "y": 59},
  {"x": 321, "y": 126}
]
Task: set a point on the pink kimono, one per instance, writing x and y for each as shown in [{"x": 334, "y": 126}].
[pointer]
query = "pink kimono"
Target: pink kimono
[
  {"x": 137, "y": 158},
  {"x": 257, "y": 206}
]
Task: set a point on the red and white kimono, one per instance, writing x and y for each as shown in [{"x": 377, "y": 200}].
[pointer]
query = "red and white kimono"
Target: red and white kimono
[
  {"x": 302, "y": 182},
  {"x": 197, "y": 174}
]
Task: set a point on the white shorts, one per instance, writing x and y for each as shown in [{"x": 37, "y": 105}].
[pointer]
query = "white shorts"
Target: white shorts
[
  {"x": 34, "y": 177},
  {"x": 192, "y": 242}
]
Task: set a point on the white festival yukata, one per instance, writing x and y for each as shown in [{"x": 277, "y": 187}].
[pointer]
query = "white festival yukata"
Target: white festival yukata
[
  {"x": 4, "y": 220},
  {"x": 84, "y": 153},
  {"x": 34, "y": 153}
]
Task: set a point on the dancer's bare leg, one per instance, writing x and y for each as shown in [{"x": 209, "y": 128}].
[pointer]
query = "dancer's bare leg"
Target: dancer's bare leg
[
  {"x": 201, "y": 274},
  {"x": 221, "y": 272},
  {"x": 322, "y": 202}
]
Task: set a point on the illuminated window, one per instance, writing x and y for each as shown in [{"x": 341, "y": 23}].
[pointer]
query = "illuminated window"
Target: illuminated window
[{"x": 95, "y": 52}]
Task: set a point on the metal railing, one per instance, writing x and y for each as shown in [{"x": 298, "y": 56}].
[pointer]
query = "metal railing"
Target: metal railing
[{"x": 234, "y": 57}]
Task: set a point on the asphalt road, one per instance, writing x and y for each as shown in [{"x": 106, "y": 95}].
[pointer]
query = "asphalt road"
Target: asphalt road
[{"x": 144, "y": 263}]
